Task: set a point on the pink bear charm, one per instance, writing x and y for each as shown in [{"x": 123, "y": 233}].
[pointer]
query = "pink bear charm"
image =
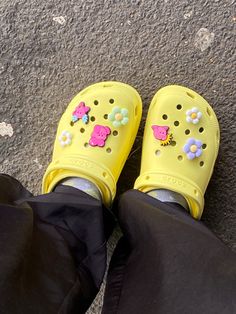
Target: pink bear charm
[
  {"x": 80, "y": 112},
  {"x": 99, "y": 135},
  {"x": 161, "y": 133}
]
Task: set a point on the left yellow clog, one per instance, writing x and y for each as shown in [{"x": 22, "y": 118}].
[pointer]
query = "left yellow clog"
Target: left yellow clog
[{"x": 95, "y": 136}]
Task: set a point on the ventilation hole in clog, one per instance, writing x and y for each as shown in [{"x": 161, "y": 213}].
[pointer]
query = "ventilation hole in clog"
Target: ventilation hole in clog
[
  {"x": 190, "y": 94},
  {"x": 147, "y": 178},
  {"x": 108, "y": 150},
  {"x": 201, "y": 130},
  {"x": 201, "y": 163},
  {"x": 105, "y": 116},
  {"x": 179, "y": 107},
  {"x": 107, "y": 85},
  {"x": 204, "y": 146},
  {"x": 180, "y": 157},
  {"x": 195, "y": 192},
  {"x": 208, "y": 111},
  {"x": 86, "y": 145},
  {"x": 96, "y": 102},
  {"x": 104, "y": 174},
  {"x": 187, "y": 132},
  {"x": 164, "y": 117},
  {"x": 82, "y": 130},
  {"x": 115, "y": 133},
  {"x": 111, "y": 101},
  {"x": 92, "y": 119},
  {"x": 158, "y": 152},
  {"x": 176, "y": 123},
  {"x": 136, "y": 111},
  {"x": 173, "y": 143}
]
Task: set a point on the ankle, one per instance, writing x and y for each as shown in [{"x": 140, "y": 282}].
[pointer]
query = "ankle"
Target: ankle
[
  {"x": 168, "y": 196},
  {"x": 83, "y": 185}
]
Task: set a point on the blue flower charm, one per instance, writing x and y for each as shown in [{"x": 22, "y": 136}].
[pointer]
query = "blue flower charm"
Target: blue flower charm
[
  {"x": 193, "y": 148},
  {"x": 119, "y": 116}
]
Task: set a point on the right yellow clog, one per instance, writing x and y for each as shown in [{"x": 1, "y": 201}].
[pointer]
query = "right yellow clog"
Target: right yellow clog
[{"x": 180, "y": 145}]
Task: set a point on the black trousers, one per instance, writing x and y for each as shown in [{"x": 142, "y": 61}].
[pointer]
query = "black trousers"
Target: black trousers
[{"x": 53, "y": 256}]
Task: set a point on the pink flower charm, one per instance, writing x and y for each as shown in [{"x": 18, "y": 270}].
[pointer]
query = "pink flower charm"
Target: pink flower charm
[
  {"x": 80, "y": 112},
  {"x": 161, "y": 133},
  {"x": 99, "y": 135}
]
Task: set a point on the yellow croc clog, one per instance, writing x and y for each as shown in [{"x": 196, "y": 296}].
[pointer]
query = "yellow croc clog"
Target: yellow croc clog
[
  {"x": 180, "y": 145},
  {"x": 95, "y": 136}
]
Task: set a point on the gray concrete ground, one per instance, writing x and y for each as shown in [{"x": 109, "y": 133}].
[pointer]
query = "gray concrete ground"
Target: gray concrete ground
[{"x": 51, "y": 49}]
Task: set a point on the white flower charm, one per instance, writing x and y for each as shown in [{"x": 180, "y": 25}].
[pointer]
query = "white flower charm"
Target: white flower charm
[
  {"x": 65, "y": 138},
  {"x": 193, "y": 115}
]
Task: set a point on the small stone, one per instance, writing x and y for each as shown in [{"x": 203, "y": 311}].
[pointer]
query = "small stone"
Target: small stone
[
  {"x": 59, "y": 19},
  {"x": 38, "y": 164},
  {"x": 2, "y": 68},
  {"x": 6, "y": 129},
  {"x": 76, "y": 8},
  {"x": 187, "y": 15}
]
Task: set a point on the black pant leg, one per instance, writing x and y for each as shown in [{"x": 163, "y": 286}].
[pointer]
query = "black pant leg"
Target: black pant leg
[
  {"x": 52, "y": 249},
  {"x": 168, "y": 263},
  {"x": 11, "y": 190}
]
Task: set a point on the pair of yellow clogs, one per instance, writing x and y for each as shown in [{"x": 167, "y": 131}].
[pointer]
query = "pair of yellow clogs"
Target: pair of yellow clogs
[{"x": 97, "y": 131}]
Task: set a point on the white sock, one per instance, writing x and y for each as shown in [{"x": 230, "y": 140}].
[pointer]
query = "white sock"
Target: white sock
[
  {"x": 83, "y": 185},
  {"x": 169, "y": 196}
]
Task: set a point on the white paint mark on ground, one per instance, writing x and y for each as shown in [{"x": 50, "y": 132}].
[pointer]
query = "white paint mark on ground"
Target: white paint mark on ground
[
  {"x": 2, "y": 68},
  {"x": 188, "y": 14},
  {"x": 6, "y": 129},
  {"x": 203, "y": 39},
  {"x": 60, "y": 19},
  {"x": 38, "y": 163}
]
